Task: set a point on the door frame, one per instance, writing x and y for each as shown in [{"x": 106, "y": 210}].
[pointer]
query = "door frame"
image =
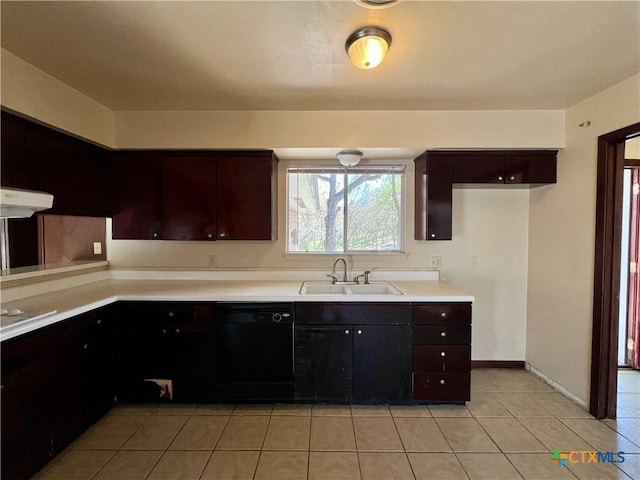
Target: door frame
[{"x": 606, "y": 285}]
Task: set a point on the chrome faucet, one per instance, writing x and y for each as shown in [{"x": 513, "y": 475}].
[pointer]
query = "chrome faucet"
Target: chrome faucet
[
  {"x": 333, "y": 271},
  {"x": 365, "y": 275}
]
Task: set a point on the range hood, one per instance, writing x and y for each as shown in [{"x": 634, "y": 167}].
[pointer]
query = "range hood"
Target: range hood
[{"x": 18, "y": 203}]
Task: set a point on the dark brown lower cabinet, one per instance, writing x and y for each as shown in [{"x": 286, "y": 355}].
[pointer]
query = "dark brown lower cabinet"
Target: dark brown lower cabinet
[
  {"x": 38, "y": 399},
  {"x": 381, "y": 363},
  {"x": 323, "y": 363},
  {"x": 95, "y": 365},
  {"x": 441, "y": 356},
  {"x": 166, "y": 341},
  {"x": 352, "y": 363}
]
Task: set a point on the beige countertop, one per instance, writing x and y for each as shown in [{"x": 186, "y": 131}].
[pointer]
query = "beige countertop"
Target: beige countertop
[{"x": 62, "y": 304}]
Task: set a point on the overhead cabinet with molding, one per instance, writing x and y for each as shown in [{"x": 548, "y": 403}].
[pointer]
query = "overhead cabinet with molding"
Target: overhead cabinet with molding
[
  {"x": 438, "y": 172},
  {"x": 209, "y": 195}
]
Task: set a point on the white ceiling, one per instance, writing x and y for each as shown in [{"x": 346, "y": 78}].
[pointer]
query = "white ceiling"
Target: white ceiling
[{"x": 279, "y": 55}]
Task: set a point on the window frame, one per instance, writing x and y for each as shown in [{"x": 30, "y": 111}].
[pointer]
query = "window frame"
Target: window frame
[{"x": 387, "y": 168}]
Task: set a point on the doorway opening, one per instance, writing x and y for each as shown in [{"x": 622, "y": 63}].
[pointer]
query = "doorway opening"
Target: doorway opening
[{"x": 607, "y": 270}]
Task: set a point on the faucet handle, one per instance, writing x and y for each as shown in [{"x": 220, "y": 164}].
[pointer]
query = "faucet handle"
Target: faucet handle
[
  {"x": 366, "y": 276},
  {"x": 334, "y": 279}
]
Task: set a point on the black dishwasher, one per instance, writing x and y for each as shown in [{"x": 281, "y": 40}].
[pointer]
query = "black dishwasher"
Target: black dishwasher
[{"x": 255, "y": 351}]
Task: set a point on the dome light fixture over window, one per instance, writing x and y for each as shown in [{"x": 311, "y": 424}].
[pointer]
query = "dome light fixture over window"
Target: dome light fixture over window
[
  {"x": 349, "y": 158},
  {"x": 368, "y": 46}
]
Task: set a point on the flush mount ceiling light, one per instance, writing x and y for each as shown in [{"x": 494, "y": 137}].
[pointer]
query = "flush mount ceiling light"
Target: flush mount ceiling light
[
  {"x": 349, "y": 158},
  {"x": 367, "y": 46},
  {"x": 376, "y": 3}
]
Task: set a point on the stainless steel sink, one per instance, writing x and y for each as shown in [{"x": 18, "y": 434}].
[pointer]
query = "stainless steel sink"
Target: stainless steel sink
[{"x": 326, "y": 288}]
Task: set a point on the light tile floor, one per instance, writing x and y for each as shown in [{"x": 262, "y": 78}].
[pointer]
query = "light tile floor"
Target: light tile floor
[{"x": 507, "y": 431}]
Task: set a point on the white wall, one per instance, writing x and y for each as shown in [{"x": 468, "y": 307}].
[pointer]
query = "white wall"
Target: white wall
[
  {"x": 38, "y": 95},
  {"x": 562, "y": 242}
]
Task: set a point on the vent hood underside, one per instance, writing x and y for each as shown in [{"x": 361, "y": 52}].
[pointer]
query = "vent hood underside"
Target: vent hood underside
[{"x": 18, "y": 203}]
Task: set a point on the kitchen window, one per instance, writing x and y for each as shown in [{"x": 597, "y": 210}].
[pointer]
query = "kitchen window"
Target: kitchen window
[{"x": 335, "y": 210}]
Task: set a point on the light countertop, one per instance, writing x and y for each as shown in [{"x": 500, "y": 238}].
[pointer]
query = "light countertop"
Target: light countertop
[{"x": 81, "y": 299}]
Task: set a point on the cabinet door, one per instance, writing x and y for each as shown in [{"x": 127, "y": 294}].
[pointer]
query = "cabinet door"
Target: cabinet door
[
  {"x": 189, "y": 198},
  {"x": 38, "y": 399},
  {"x": 433, "y": 187},
  {"x": 381, "y": 363},
  {"x": 17, "y": 171},
  {"x": 479, "y": 168},
  {"x": 531, "y": 168},
  {"x": 95, "y": 364},
  {"x": 73, "y": 171},
  {"x": 137, "y": 193},
  {"x": 246, "y": 197},
  {"x": 323, "y": 363}
]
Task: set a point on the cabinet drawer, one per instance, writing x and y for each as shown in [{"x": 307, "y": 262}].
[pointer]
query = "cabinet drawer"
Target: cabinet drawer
[
  {"x": 442, "y": 386},
  {"x": 442, "y": 334},
  {"x": 430, "y": 313},
  {"x": 443, "y": 359}
]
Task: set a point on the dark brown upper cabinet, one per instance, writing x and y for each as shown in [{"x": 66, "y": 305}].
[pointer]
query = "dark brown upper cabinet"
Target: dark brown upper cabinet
[
  {"x": 189, "y": 198},
  {"x": 246, "y": 196},
  {"x": 136, "y": 179},
  {"x": 433, "y": 190},
  {"x": 437, "y": 172},
  {"x": 35, "y": 157},
  {"x": 521, "y": 167},
  {"x": 206, "y": 195}
]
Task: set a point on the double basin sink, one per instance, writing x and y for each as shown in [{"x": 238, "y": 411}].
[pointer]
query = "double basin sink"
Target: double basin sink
[{"x": 326, "y": 288}]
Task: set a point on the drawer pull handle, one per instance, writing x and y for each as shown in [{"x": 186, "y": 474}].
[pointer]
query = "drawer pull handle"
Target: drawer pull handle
[
  {"x": 359, "y": 332},
  {"x": 346, "y": 332},
  {"x": 442, "y": 354},
  {"x": 443, "y": 334},
  {"x": 443, "y": 314},
  {"x": 442, "y": 382}
]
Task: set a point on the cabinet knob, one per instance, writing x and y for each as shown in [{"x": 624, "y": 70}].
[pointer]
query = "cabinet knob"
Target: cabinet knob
[
  {"x": 209, "y": 235},
  {"x": 443, "y": 354},
  {"x": 171, "y": 314},
  {"x": 85, "y": 347},
  {"x": 99, "y": 321},
  {"x": 443, "y": 314},
  {"x": 512, "y": 178},
  {"x": 442, "y": 382},
  {"x": 346, "y": 332},
  {"x": 433, "y": 235},
  {"x": 359, "y": 332},
  {"x": 177, "y": 330},
  {"x": 155, "y": 235},
  {"x": 222, "y": 235},
  {"x": 163, "y": 331},
  {"x": 443, "y": 334},
  {"x": 500, "y": 177}
]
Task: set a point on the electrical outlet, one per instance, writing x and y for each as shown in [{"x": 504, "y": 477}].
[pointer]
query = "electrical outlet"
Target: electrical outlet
[
  {"x": 97, "y": 248},
  {"x": 474, "y": 262},
  {"x": 435, "y": 262},
  {"x": 212, "y": 260}
]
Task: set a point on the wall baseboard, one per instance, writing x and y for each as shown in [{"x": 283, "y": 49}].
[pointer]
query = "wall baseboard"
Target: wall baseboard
[
  {"x": 519, "y": 364},
  {"x": 556, "y": 386}
]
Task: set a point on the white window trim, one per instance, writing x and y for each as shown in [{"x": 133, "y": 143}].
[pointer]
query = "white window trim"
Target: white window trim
[{"x": 373, "y": 168}]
